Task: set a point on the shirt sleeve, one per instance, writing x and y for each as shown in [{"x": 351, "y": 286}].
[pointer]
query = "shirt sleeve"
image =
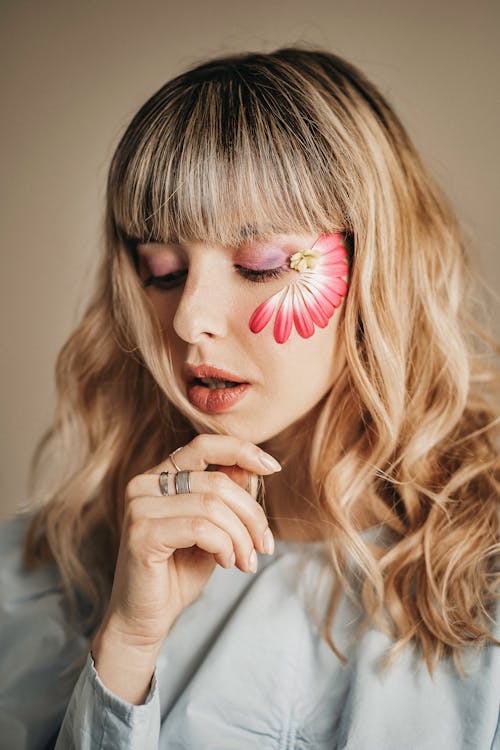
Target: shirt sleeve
[
  {"x": 43, "y": 705},
  {"x": 96, "y": 719}
]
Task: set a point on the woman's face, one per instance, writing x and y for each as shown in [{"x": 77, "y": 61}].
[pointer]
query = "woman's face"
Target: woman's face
[{"x": 205, "y": 320}]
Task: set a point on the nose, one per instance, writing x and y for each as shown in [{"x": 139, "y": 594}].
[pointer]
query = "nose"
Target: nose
[{"x": 203, "y": 307}]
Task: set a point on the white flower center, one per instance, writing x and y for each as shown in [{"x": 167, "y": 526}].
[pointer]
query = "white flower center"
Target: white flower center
[{"x": 304, "y": 260}]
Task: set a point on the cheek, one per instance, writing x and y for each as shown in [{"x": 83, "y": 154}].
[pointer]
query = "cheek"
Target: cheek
[
  {"x": 243, "y": 306},
  {"x": 165, "y": 306},
  {"x": 284, "y": 318},
  {"x": 302, "y": 369}
]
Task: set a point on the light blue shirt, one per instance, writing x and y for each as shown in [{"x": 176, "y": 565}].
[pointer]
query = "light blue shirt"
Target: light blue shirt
[{"x": 242, "y": 668}]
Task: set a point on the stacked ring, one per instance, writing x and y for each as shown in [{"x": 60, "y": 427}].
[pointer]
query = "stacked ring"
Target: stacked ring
[
  {"x": 171, "y": 457},
  {"x": 164, "y": 483},
  {"x": 182, "y": 482}
]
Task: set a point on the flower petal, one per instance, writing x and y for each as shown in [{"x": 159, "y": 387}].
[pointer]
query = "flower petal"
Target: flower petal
[
  {"x": 319, "y": 286},
  {"x": 334, "y": 264},
  {"x": 333, "y": 281},
  {"x": 313, "y": 298},
  {"x": 284, "y": 317},
  {"x": 339, "y": 285},
  {"x": 318, "y": 310},
  {"x": 328, "y": 242},
  {"x": 263, "y": 314},
  {"x": 323, "y": 302},
  {"x": 337, "y": 254},
  {"x": 333, "y": 269},
  {"x": 301, "y": 315}
]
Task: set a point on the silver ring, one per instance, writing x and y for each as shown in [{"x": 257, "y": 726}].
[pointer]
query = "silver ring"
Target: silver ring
[
  {"x": 252, "y": 484},
  {"x": 163, "y": 479},
  {"x": 171, "y": 457},
  {"x": 182, "y": 482}
]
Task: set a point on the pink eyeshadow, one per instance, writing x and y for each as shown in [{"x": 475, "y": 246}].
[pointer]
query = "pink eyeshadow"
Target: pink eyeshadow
[
  {"x": 159, "y": 261},
  {"x": 160, "y": 267},
  {"x": 260, "y": 260}
]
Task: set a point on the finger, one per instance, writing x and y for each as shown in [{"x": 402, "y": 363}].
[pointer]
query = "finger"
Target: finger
[
  {"x": 248, "y": 480},
  {"x": 169, "y": 534},
  {"x": 205, "y": 484},
  {"x": 208, "y": 506},
  {"x": 226, "y": 450}
]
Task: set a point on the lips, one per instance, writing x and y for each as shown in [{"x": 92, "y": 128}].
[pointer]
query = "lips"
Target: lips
[
  {"x": 191, "y": 373},
  {"x": 214, "y": 400}
]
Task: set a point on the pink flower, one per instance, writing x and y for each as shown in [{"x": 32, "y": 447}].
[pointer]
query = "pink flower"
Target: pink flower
[{"x": 311, "y": 298}]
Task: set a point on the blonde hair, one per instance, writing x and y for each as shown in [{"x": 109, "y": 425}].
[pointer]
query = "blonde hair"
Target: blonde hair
[{"x": 261, "y": 143}]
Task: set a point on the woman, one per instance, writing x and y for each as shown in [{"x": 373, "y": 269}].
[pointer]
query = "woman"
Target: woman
[{"x": 283, "y": 281}]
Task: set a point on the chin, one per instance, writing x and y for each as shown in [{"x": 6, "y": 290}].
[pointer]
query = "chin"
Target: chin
[
  {"x": 256, "y": 433},
  {"x": 243, "y": 428}
]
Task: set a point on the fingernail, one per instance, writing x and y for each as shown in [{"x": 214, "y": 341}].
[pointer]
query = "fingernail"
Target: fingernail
[
  {"x": 268, "y": 541},
  {"x": 252, "y": 561},
  {"x": 269, "y": 462}
]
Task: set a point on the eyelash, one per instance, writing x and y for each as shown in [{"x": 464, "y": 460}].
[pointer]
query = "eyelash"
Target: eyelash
[{"x": 249, "y": 274}]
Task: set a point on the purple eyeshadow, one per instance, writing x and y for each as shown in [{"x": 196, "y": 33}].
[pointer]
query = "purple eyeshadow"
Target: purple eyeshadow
[
  {"x": 159, "y": 267},
  {"x": 260, "y": 261},
  {"x": 254, "y": 257}
]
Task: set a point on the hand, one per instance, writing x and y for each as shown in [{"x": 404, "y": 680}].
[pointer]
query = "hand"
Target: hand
[{"x": 169, "y": 546}]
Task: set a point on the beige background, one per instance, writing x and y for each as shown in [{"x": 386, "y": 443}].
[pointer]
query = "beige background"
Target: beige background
[{"x": 73, "y": 74}]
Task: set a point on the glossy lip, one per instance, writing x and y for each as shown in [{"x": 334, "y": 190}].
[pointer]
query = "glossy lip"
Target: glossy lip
[
  {"x": 212, "y": 401},
  {"x": 191, "y": 372}
]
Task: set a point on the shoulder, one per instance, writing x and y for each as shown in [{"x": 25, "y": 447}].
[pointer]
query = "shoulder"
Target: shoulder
[
  {"x": 253, "y": 633},
  {"x": 17, "y": 584},
  {"x": 326, "y": 702},
  {"x": 34, "y": 628},
  {"x": 362, "y": 705},
  {"x": 37, "y": 645},
  {"x": 407, "y": 707}
]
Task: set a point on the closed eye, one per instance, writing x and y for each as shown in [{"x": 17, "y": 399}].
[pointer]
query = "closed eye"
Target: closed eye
[
  {"x": 171, "y": 280},
  {"x": 168, "y": 281},
  {"x": 250, "y": 274}
]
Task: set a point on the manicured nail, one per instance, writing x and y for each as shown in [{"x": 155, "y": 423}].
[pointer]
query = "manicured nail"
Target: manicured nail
[
  {"x": 252, "y": 561},
  {"x": 268, "y": 541},
  {"x": 269, "y": 462}
]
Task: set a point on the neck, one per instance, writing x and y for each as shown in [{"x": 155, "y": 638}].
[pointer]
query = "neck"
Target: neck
[
  {"x": 289, "y": 510},
  {"x": 288, "y": 501},
  {"x": 288, "y": 444}
]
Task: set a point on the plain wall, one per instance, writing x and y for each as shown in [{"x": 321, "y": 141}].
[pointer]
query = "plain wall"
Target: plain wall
[{"x": 73, "y": 74}]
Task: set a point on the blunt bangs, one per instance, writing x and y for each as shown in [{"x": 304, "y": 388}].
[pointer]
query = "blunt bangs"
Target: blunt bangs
[{"x": 222, "y": 154}]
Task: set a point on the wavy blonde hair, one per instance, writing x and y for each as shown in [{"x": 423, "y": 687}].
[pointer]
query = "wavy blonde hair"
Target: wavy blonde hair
[{"x": 295, "y": 140}]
